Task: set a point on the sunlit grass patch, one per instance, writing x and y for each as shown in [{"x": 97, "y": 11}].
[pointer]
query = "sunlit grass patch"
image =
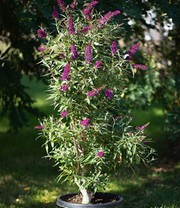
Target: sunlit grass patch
[
  {"x": 158, "y": 111},
  {"x": 155, "y": 116},
  {"x": 4, "y": 124}
]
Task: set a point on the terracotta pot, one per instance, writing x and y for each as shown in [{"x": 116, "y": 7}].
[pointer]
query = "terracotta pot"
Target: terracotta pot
[{"x": 116, "y": 201}]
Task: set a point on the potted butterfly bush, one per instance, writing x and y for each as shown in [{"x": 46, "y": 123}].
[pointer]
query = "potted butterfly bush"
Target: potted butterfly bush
[{"x": 89, "y": 135}]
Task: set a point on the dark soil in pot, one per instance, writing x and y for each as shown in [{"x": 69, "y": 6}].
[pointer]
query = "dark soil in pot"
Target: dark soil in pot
[{"x": 100, "y": 200}]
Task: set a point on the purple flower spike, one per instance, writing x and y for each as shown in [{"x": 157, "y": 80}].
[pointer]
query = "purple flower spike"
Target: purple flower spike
[
  {"x": 40, "y": 127},
  {"x": 114, "y": 47},
  {"x": 62, "y": 5},
  {"x": 88, "y": 54},
  {"x": 141, "y": 128},
  {"x": 93, "y": 4},
  {"x": 41, "y": 48},
  {"x": 55, "y": 14},
  {"x": 140, "y": 66},
  {"x": 64, "y": 113},
  {"x": 86, "y": 14},
  {"x": 89, "y": 9},
  {"x": 85, "y": 122},
  {"x": 64, "y": 88},
  {"x": 86, "y": 29},
  {"x": 93, "y": 93},
  {"x": 133, "y": 50},
  {"x": 100, "y": 153},
  {"x": 109, "y": 94},
  {"x": 41, "y": 33},
  {"x": 66, "y": 73},
  {"x": 107, "y": 17},
  {"x": 74, "y": 52},
  {"x": 146, "y": 142},
  {"x": 73, "y": 5},
  {"x": 71, "y": 28},
  {"x": 98, "y": 64}
]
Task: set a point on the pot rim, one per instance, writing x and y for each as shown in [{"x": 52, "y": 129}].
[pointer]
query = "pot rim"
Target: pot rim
[{"x": 61, "y": 202}]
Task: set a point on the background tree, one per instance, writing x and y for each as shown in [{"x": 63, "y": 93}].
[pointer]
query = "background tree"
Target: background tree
[{"x": 17, "y": 27}]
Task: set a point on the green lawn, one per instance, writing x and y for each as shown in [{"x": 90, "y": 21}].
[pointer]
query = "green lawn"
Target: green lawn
[{"x": 27, "y": 180}]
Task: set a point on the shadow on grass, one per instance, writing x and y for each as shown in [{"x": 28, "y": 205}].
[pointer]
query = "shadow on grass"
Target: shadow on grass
[
  {"x": 157, "y": 188},
  {"x": 26, "y": 178},
  {"x": 28, "y": 181},
  {"x": 25, "y": 190}
]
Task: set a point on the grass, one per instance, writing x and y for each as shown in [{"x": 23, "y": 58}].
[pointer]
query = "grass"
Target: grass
[{"x": 27, "y": 180}]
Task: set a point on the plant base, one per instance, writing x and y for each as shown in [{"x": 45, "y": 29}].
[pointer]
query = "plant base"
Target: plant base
[{"x": 100, "y": 200}]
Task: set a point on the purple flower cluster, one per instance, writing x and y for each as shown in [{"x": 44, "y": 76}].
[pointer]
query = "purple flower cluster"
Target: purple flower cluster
[
  {"x": 66, "y": 73},
  {"x": 86, "y": 29},
  {"x": 85, "y": 122},
  {"x": 73, "y": 4},
  {"x": 141, "y": 128},
  {"x": 41, "y": 127},
  {"x": 109, "y": 94},
  {"x": 41, "y": 33},
  {"x": 88, "y": 10},
  {"x": 98, "y": 64},
  {"x": 55, "y": 14},
  {"x": 74, "y": 52},
  {"x": 100, "y": 153},
  {"x": 107, "y": 17},
  {"x": 61, "y": 4},
  {"x": 130, "y": 54},
  {"x": 71, "y": 28},
  {"x": 114, "y": 47},
  {"x": 140, "y": 66},
  {"x": 133, "y": 50},
  {"x": 41, "y": 48},
  {"x": 64, "y": 113},
  {"x": 93, "y": 93},
  {"x": 88, "y": 54},
  {"x": 64, "y": 88}
]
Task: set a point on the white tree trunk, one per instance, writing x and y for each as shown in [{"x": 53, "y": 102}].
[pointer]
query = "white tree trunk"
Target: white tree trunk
[{"x": 86, "y": 196}]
